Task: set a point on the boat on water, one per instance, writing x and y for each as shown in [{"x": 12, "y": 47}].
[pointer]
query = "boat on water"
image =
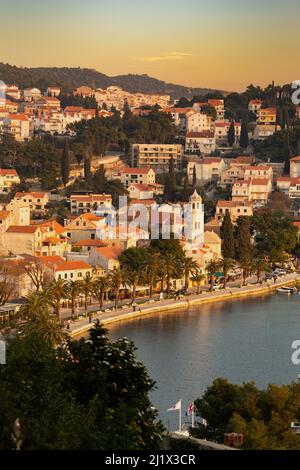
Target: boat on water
[{"x": 286, "y": 290}]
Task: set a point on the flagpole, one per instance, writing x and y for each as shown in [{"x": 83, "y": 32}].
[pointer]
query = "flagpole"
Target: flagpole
[
  {"x": 193, "y": 416},
  {"x": 180, "y": 417}
]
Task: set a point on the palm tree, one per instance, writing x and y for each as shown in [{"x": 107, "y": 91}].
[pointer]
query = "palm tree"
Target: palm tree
[
  {"x": 132, "y": 278},
  {"x": 57, "y": 291},
  {"x": 74, "y": 288},
  {"x": 35, "y": 304},
  {"x": 170, "y": 269},
  {"x": 101, "y": 286},
  {"x": 190, "y": 267},
  {"x": 117, "y": 279},
  {"x": 46, "y": 325},
  {"x": 87, "y": 287},
  {"x": 245, "y": 264},
  {"x": 226, "y": 264},
  {"x": 198, "y": 278},
  {"x": 260, "y": 265},
  {"x": 152, "y": 269},
  {"x": 211, "y": 269}
]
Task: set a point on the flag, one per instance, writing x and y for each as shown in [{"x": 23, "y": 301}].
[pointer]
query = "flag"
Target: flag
[
  {"x": 177, "y": 406},
  {"x": 203, "y": 421},
  {"x": 189, "y": 409}
]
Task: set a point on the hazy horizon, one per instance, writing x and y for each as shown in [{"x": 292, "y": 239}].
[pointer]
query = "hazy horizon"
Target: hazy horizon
[{"x": 224, "y": 44}]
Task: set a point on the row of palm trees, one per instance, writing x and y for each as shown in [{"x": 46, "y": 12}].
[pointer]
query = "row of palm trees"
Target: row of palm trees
[{"x": 247, "y": 265}]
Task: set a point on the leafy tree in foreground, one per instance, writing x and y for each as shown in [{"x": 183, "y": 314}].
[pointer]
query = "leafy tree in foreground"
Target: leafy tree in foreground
[
  {"x": 263, "y": 416},
  {"x": 88, "y": 395}
]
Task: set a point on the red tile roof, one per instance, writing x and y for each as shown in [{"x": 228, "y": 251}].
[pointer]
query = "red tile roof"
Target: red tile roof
[
  {"x": 8, "y": 172},
  {"x": 135, "y": 171},
  {"x": 22, "y": 228},
  {"x": 109, "y": 252}
]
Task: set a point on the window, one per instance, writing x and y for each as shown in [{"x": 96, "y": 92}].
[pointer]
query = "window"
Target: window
[
  {"x": 79, "y": 274},
  {"x": 66, "y": 276}
]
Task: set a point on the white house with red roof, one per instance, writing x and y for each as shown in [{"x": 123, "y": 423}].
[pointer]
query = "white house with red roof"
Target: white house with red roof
[
  {"x": 140, "y": 191},
  {"x": 18, "y": 125},
  {"x": 143, "y": 176},
  {"x": 295, "y": 167},
  {"x": 203, "y": 142},
  {"x": 255, "y": 105},
  {"x": 37, "y": 201},
  {"x": 8, "y": 178},
  {"x": 59, "y": 268}
]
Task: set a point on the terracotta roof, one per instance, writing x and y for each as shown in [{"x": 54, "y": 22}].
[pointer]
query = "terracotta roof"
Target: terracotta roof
[
  {"x": 4, "y": 214},
  {"x": 90, "y": 197},
  {"x": 203, "y": 134},
  {"x": 258, "y": 167},
  {"x": 109, "y": 252},
  {"x": 297, "y": 224},
  {"x": 135, "y": 171},
  {"x": 244, "y": 159},
  {"x": 8, "y": 171},
  {"x": 22, "y": 228},
  {"x": 38, "y": 195},
  {"x": 54, "y": 240},
  {"x": 233, "y": 203},
  {"x": 54, "y": 225},
  {"x": 90, "y": 242},
  {"x": 73, "y": 109},
  {"x": 72, "y": 265},
  {"x": 216, "y": 102},
  {"x": 227, "y": 124},
  {"x": 18, "y": 117},
  {"x": 295, "y": 159},
  {"x": 140, "y": 187},
  {"x": 260, "y": 181}
]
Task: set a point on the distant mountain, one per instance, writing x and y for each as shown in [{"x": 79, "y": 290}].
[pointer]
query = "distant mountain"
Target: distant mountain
[{"x": 70, "y": 78}]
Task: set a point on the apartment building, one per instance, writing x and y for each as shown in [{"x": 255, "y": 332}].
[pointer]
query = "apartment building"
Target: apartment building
[
  {"x": 263, "y": 131},
  {"x": 207, "y": 168},
  {"x": 83, "y": 203},
  {"x": 259, "y": 171},
  {"x": 37, "y": 201},
  {"x": 221, "y": 132},
  {"x": 200, "y": 142},
  {"x": 59, "y": 268},
  {"x": 289, "y": 186},
  {"x": 257, "y": 190},
  {"x": 236, "y": 209},
  {"x": 156, "y": 156},
  {"x": 231, "y": 175},
  {"x": 197, "y": 122},
  {"x": 218, "y": 105}
]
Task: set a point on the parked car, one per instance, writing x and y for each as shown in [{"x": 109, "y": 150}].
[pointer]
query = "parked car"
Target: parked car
[{"x": 217, "y": 287}]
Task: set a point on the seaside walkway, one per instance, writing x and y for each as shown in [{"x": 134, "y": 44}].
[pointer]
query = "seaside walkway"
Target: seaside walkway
[{"x": 82, "y": 325}]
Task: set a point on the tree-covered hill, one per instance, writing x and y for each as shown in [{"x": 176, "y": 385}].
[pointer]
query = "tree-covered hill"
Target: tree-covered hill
[{"x": 69, "y": 78}]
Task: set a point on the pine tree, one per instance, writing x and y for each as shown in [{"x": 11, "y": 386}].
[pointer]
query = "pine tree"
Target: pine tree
[
  {"x": 243, "y": 247},
  {"x": 194, "y": 177},
  {"x": 244, "y": 139},
  {"x": 231, "y": 134},
  {"x": 65, "y": 163},
  {"x": 227, "y": 236},
  {"x": 186, "y": 191},
  {"x": 171, "y": 181}
]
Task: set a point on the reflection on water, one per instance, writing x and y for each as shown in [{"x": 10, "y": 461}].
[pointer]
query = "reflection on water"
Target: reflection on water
[{"x": 241, "y": 340}]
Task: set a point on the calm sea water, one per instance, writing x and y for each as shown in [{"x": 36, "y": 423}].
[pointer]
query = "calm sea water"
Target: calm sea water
[{"x": 244, "y": 340}]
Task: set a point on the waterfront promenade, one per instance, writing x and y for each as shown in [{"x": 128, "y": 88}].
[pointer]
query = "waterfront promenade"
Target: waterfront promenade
[{"x": 126, "y": 312}]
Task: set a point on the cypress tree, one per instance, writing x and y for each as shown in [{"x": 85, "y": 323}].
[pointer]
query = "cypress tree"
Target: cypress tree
[
  {"x": 194, "y": 177},
  {"x": 227, "y": 236},
  {"x": 87, "y": 169},
  {"x": 244, "y": 139},
  {"x": 65, "y": 163},
  {"x": 231, "y": 134},
  {"x": 171, "y": 180},
  {"x": 186, "y": 191},
  {"x": 243, "y": 247}
]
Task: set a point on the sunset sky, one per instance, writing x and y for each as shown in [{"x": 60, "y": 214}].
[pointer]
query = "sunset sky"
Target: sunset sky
[{"x": 224, "y": 44}]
